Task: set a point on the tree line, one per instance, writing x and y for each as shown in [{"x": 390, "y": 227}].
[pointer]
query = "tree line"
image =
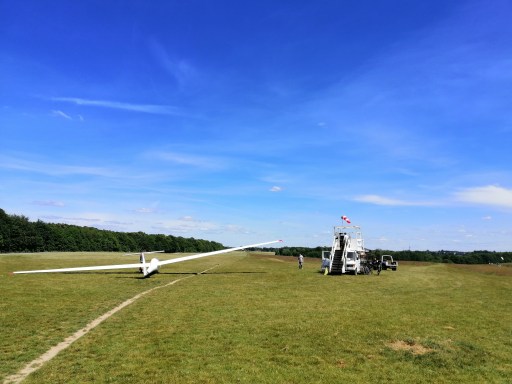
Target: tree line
[
  {"x": 474, "y": 257},
  {"x": 456, "y": 257},
  {"x": 18, "y": 234}
]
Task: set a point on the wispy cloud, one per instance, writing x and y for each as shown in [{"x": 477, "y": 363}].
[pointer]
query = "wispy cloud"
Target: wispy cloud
[
  {"x": 57, "y": 113},
  {"x": 95, "y": 220},
  {"x": 187, "y": 224},
  {"x": 180, "y": 69},
  {"x": 12, "y": 163},
  {"x": 145, "y": 108},
  {"x": 208, "y": 162},
  {"x": 153, "y": 208},
  {"x": 191, "y": 226},
  {"x": 145, "y": 210},
  {"x": 276, "y": 188},
  {"x": 487, "y": 195},
  {"x": 73, "y": 220},
  {"x": 381, "y": 200},
  {"x": 48, "y": 203},
  {"x": 63, "y": 115}
]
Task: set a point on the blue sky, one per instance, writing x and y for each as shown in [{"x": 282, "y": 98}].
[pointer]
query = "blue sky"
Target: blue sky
[{"x": 244, "y": 122}]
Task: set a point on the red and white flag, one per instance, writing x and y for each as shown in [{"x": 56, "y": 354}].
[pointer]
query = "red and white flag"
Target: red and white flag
[{"x": 345, "y": 218}]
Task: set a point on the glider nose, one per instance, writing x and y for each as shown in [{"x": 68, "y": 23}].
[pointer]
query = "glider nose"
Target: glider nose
[{"x": 154, "y": 264}]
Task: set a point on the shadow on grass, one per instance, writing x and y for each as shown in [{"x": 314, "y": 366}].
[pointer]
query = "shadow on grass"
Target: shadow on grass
[
  {"x": 211, "y": 273},
  {"x": 137, "y": 275}
]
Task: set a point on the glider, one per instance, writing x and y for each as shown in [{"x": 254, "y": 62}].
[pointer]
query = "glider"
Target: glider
[{"x": 150, "y": 268}]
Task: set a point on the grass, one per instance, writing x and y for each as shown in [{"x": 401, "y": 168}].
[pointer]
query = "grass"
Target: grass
[{"x": 258, "y": 319}]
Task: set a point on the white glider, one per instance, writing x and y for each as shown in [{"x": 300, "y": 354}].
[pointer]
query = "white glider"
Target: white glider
[{"x": 150, "y": 268}]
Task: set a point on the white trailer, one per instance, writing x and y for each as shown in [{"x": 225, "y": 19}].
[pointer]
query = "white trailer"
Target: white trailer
[{"x": 346, "y": 251}]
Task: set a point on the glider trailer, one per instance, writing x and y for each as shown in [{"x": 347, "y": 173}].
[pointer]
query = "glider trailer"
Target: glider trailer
[{"x": 347, "y": 254}]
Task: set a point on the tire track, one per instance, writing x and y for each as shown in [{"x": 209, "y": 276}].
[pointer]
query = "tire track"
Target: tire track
[{"x": 34, "y": 365}]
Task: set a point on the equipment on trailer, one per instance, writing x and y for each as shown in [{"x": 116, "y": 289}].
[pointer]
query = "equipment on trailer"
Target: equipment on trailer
[{"x": 346, "y": 252}]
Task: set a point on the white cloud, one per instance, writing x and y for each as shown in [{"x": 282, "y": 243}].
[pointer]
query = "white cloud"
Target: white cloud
[
  {"x": 381, "y": 200},
  {"x": 209, "y": 162},
  {"x": 48, "y": 203},
  {"x": 180, "y": 69},
  {"x": 145, "y": 210},
  {"x": 150, "y": 208},
  {"x": 187, "y": 225},
  {"x": 145, "y": 108},
  {"x": 57, "y": 113},
  {"x": 8, "y": 162},
  {"x": 487, "y": 195},
  {"x": 71, "y": 220},
  {"x": 275, "y": 188},
  {"x": 190, "y": 226}
]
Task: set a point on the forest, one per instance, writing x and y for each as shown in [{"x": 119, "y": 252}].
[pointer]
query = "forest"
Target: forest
[
  {"x": 474, "y": 257},
  {"x": 19, "y": 234}
]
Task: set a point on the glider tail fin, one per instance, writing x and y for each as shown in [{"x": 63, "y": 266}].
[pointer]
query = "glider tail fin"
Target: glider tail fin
[{"x": 143, "y": 267}]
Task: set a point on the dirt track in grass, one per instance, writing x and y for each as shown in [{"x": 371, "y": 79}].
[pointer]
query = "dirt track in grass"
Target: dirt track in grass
[{"x": 34, "y": 365}]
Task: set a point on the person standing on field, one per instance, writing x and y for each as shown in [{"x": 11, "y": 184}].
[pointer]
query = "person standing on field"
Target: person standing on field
[{"x": 301, "y": 261}]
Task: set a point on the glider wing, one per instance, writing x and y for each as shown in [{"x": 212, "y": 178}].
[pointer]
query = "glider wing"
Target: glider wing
[
  {"x": 79, "y": 269},
  {"x": 192, "y": 257},
  {"x": 145, "y": 265}
]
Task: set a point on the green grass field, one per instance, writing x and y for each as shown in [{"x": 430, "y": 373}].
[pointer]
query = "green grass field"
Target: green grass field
[{"x": 257, "y": 319}]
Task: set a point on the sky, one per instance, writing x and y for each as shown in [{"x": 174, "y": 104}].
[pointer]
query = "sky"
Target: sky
[{"x": 243, "y": 122}]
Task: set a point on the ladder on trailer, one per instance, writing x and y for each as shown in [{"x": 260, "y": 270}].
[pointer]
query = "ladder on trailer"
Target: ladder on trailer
[
  {"x": 339, "y": 256},
  {"x": 345, "y": 239}
]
